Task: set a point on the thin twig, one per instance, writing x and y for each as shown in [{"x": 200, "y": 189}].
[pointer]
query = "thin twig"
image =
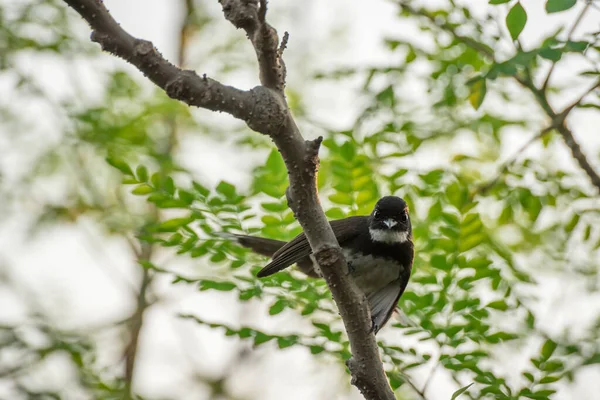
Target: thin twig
[
  {"x": 418, "y": 391},
  {"x": 480, "y": 47},
  {"x": 137, "y": 321},
  {"x": 569, "y": 37},
  {"x": 430, "y": 378},
  {"x": 509, "y": 162},
  {"x": 526, "y": 80},
  {"x": 283, "y": 44},
  {"x": 568, "y": 109}
]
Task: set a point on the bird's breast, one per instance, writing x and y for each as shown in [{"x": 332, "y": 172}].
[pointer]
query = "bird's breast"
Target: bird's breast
[{"x": 370, "y": 272}]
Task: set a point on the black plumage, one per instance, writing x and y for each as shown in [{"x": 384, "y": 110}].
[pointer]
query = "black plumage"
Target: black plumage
[{"x": 378, "y": 249}]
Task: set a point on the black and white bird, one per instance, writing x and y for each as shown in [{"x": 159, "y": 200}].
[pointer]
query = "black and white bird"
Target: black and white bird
[{"x": 378, "y": 249}]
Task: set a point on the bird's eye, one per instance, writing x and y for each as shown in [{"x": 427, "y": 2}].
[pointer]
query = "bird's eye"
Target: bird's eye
[
  {"x": 376, "y": 214},
  {"x": 404, "y": 217}
]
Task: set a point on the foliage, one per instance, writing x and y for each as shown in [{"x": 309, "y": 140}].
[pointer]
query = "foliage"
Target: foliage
[{"x": 485, "y": 239}]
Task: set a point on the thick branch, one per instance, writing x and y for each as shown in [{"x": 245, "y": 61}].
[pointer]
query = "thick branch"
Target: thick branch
[
  {"x": 255, "y": 106},
  {"x": 265, "y": 110},
  {"x": 249, "y": 15},
  {"x": 365, "y": 365},
  {"x": 301, "y": 159}
]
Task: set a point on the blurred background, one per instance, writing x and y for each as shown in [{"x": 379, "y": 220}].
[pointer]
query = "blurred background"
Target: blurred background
[{"x": 114, "y": 281}]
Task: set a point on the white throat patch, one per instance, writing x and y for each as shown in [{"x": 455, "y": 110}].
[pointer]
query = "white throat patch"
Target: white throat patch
[{"x": 388, "y": 236}]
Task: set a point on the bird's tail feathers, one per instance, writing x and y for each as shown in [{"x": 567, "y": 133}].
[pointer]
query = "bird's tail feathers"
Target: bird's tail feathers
[{"x": 264, "y": 246}]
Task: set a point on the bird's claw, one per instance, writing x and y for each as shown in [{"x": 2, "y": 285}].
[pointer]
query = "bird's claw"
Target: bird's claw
[
  {"x": 351, "y": 269},
  {"x": 374, "y": 326}
]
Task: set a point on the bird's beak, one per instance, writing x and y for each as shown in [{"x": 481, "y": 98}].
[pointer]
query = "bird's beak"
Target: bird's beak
[{"x": 390, "y": 223}]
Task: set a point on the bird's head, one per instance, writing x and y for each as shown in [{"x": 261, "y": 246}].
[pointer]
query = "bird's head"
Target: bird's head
[{"x": 389, "y": 221}]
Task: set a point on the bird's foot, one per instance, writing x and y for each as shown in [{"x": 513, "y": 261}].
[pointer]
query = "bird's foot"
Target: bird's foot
[
  {"x": 351, "y": 268},
  {"x": 374, "y": 326}
]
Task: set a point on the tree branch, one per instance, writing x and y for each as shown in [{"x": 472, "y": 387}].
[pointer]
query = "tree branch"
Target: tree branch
[
  {"x": 526, "y": 81},
  {"x": 578, "y": 155},
  {"x": 510, "y": 161},
  {"x": 569, "y": 37},
  {"x": 184, "y": 85},
  {"x": 265, "y": 110},
  {"x": 137, "y": 319},
  {"x": 251, "y": 17},
  {"x": 559, "y": 121}
]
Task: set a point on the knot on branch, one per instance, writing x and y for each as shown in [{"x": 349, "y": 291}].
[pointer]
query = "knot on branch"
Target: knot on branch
[
  {"x": 327, "y": 256},
  {"x": 178, "y": 87},
  {"x": 105, "y": 40},
  {"x": 243, "y": 14},
  {"x": 142, "y": 48},
  {"x": 311, "y": 156},
  {"x": 269, "y": 112}
]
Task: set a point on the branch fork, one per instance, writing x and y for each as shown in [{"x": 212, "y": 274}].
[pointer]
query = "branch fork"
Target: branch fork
[{"x": 265, "y": 110}]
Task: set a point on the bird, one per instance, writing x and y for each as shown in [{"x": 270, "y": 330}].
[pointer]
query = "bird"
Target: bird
[{"x": 378, "y": 249}]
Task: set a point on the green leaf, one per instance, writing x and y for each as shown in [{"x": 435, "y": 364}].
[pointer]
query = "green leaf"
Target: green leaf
[
  {"x": 142, "y": 190},
  {"x": 576, "y": 47},
  {"x": 120, "y": 165},
  {"x": 498, "y": 305},
  {"x": 185, "y": 196},
  {"x": 553, "y": 365},
  {"x": 551, "y": 54},
  {"x": 365, "y": 197},
  {"x": 516, "y": 20},
  {"x": 439, "y": 261},
  {"x": 396, "y": 380},
  {"x": 270, "y": 220},
  {"x": 277, "y": 307},
  {"x": 572, "y": 223},
  {"x": 197, "y": 187},
  {"x": 348, "y": 151},
  {"x": 554, "y": 6},
  {"x": 275, "y": 162},
  {"x": 499, "y": 1},
  {"x": 456, "y": 194},
  {"x": 335, "y": 213},
  {"x": 218, "y": 257},
  {"x": 142, "y": 173},
  {"x": 261, "y": 338},
  {"x": 226, "y": 189},
  {"x": 460, "y": 391},
  {"x": 222, "y": 286},
  {"x": 286, "y": 341},
  {"x": 470, "y": 242},
  {"x": 129, "y": 180},
  {"x": 548, "y": 348},
  {"x": 274, "y": 207},
  {"x": 549, "y": 379},
  {"x": 595, "y": 359},
  {"x": 341, "y": 198},
  {"x": 172, "y": 225},
  {"x": 387, "y": 96},
  {"x": 478, "y": 91}
]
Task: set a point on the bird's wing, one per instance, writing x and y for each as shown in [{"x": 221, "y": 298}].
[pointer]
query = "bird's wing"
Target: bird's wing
[
  {"x": 298, "y": 248},
  {"x": 383, "y": 302}
]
